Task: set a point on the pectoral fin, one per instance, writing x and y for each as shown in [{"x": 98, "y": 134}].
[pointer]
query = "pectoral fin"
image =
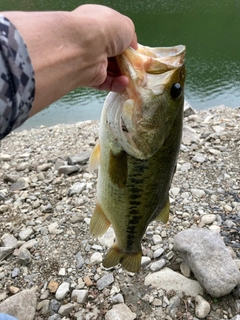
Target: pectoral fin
[
  {"x": 118, "y": 168},
  {"x": 99, "y": 223},
  {"x": 130, "y": 261},
  {"x": 94, "y": 159},
  {"x": 164, "y": 214}
]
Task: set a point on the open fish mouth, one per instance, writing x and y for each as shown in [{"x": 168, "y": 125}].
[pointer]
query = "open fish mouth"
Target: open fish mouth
[{"x": 151, "y": 71}]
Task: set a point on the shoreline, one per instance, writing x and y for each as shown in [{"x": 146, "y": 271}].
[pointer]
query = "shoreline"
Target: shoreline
[
  {"x": 47, "y": 197},
  {"x": 20, "y": 129}
]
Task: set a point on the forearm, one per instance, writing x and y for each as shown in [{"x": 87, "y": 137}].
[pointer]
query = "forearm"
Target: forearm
[
  {"x": 52, "y": 39},
  {"x": 71, "y": 49}
]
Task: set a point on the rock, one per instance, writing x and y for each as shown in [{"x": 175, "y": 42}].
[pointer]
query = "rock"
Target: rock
[
  {"x": 22, "y": 166},
  {"x": 186, "y": 167},
  {"x": 21, "y": 305},
  {"x": 62, "y": 272},
  {"x": 214, "y": 228},
  {"x": 228, "y": 208},
  {"x": 120, "y": 312},
  {"x": 9, "y": 240},
  {"x": 53, "y": 286},
  {"x": 8, "y": 177},
  {"x": 202, "y": 307},
  {"x": 24, "y": 257},
  {"x": 29, "y": 244},
  {"x": 95, "y": 258},
  {"x": 188, "y": 110},
  {"x": 199, "y": 157},
  {"x": 87, "y": 281},
  {"x": 77, "y": 188},
  {"x": 145, "y": 261},
  {"x": 168, "y": 279},
  {"x": 208, "y": 218},
  {"x": 13, "y": 289},
  {"x": 54, "y": 305},
  {"x": 47, "y": 209},
  {"x": 198, "y": 193},
  {"x": 206, "y": 255},
  {"x": 5, "y": 252},
  {"x": 68, "y": 169},
  {"x": 185, "y": 270},
  {"x": 174, "y": 191},
  {"x": 158, "y": 253},
  {"x": 157, "y": 239},
  {"x": 77, "y": 217},
  {"x": 54, "y": 317},
  {"x": 81, "y": 158},
  {"x": 118, "y": 298},
  {"x": 25, "y": 233},
  {"x": 108, "y": 238},
  {"x": 59, "y": 163},
  {"x": 157, "y": 265},
  {"x": 79, "y": 296},
  {"x": 21, "y": 184},
  {"x": 15, "y": 272},
  {"x": 66, "y": 309},
  {"x": 44, "y": 167},
  {"x": 173, "y": 305},
  {"x": 44, "y": 306},
  {"x": 105, "y": 281},
  {"x": 53, "y": 228},
  {"x": 80, "y": 260},
  {"x": 5, "y": 157},
  {"x": 189, "y": 135},
  {"x": 62, "y": 291}
]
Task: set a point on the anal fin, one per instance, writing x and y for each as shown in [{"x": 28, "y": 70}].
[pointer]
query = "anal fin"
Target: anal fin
[
  {"x": 129, "y": 261},
  {"x": 99, "y": 223},
  {"x": 164, "y": 214}
]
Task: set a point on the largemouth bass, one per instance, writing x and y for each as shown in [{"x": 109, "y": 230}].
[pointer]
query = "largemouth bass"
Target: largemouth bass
[{"x": 139, "y": 140}]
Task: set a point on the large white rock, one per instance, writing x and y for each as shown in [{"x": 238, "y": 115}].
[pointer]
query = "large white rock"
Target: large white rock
[
  {"x": 167, "y": 279},
  {"x": 207, "y": 256}
]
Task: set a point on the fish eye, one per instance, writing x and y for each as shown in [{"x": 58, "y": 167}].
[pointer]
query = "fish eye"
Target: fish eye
[{"x": 176, "y": 90}]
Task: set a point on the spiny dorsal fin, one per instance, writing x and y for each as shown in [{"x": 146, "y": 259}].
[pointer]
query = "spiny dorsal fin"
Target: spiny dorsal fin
[
  {"x": 99, "y": 223},
  {"x": 118, "y": 168},
  {"x": 94, "y": 159},
  {"x": 164, "y": 214},
  {"x": 130, "y": 261}
]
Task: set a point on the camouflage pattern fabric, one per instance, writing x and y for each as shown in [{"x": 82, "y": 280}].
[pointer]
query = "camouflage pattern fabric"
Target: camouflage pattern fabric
[{"x": 17, "y": 84}]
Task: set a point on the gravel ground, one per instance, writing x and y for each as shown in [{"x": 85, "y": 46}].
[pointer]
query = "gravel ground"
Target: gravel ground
[{"x": 47, "y": 197}]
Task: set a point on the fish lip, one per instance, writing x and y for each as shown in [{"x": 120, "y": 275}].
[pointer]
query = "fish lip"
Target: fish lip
[{"x": 172, "y": 57}]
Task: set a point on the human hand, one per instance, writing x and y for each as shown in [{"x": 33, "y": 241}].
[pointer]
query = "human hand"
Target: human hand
[{"x": 107, "y": 33}]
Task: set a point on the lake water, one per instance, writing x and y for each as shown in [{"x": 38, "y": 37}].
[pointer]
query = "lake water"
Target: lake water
[{"x": 210, "y": 29}]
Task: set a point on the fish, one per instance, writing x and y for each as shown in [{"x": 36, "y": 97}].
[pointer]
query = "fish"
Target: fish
[{"x": 136, "y": 154}]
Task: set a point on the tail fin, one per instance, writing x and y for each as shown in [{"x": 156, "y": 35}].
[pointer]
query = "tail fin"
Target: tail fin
[{"x": 129, "y": 261}]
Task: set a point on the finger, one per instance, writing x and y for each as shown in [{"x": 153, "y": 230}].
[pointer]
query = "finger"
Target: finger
[
  {"x": 115, "y": 84},
  {"x": 134, "y": 43}
]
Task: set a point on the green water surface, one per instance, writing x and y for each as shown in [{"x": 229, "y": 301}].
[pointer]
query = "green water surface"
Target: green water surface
[{"x": 210, "y": 29}]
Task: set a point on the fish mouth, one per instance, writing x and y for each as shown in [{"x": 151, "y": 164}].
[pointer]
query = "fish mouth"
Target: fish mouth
[
  {"x": 139, "y": 66},
  {"x": 141, "y": 116}
]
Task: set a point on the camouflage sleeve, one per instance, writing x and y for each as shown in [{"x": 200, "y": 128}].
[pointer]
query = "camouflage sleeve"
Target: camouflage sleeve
[{"x": 17, "y": 84}]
